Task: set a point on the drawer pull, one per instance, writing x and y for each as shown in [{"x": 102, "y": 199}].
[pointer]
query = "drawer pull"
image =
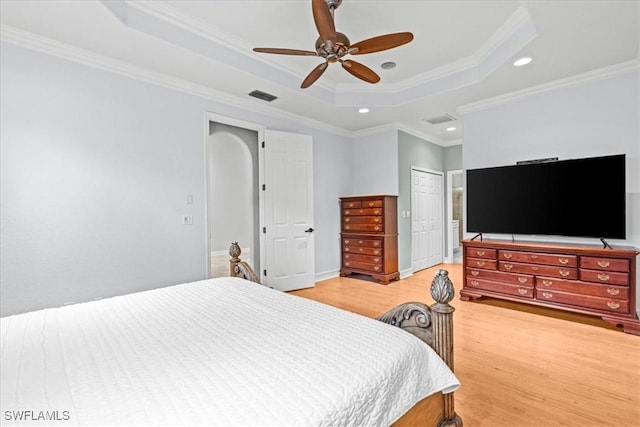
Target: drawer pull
[
  {"x": 376, "y": 220},
  {"x": 377, "y": 227},
  {"x": 376, "y": 268},
  {"x": 376, "y": 244},
  {"x": 603, "y": 277},
  {"x": 347, "y": 249},
  {"x": 507, "y": 255},
  {"x": 563, "y": 260},
  {"x": 346, "y": 242},
  {"x": 474, "y": 283},
  {"x": 508, "y": 266},
  {"x": 613, "y": 305},
  {"x": 361, "y": 211},
  {"x": 376, "y": 252},
  {"x": 347, "y": 219},
  {"x": 613, "y": 291},
  {"x": 376, "y": 212},
  {"x": 376, "y": 260},
  {"x": 347, "y": 212},
  {"x": 522, "y": 291},
  {"x": 534, "y": 256},
  {"x": 371, "y": 204},
  {"x": 564, "y": 273},
  {"x": 360, "y": 250},
  {"x": 474, "y": 272},
  {"x": 480, "y": 253},
  {"x": 547, "y": 295},
  {"x": 534, "y": 268},
  {"x": 346, "y": 227},
  {"x": 603, "y": 263},
  {"x": 522, "y": 279},
  {"x": 351, "y": 205},
  {"x": 347, "y": 264},
  {"x": 346, "y": 256},
  {"x": 547, "y": 283},
  {"x": 360, "y": 242},
  {"x": 480, "y": 263}
]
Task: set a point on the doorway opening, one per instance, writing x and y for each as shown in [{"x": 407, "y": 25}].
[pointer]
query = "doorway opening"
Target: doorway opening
[
  {"x": 427, "y": 218},
  {"x": 455, "y": 213}
]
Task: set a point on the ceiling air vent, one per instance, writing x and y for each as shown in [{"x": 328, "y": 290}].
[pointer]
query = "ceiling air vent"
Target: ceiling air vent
[
  {"x": 263, "y": 95},
  {"x": 440, "y": 119}
]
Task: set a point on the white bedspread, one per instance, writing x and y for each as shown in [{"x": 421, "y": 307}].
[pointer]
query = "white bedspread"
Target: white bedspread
[{"x": 217, "y": 352}]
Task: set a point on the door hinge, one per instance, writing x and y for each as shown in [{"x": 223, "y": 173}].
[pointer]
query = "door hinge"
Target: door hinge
[
  {"x": 264, "y": 273},
  {"x": 262, "y": 144},
  {"x": 264, "y": 187},
  {"x": 264, "y": 229}
]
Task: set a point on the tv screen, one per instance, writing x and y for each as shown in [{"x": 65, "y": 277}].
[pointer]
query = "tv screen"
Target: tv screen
[{"x": 578, "y": 198}]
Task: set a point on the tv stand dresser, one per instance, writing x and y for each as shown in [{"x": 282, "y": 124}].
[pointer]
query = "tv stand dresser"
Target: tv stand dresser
[{"x": 583, "y": 279}]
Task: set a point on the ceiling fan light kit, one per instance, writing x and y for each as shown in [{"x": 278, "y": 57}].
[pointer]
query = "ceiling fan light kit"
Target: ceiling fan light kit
[{"x": 333, "y": 46}]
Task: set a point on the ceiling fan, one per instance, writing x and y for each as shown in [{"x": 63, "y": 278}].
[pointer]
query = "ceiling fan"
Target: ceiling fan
[{"x": 333, "y": 46}]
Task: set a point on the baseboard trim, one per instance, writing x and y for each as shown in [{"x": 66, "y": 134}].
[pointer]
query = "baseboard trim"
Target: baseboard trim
[{"x": 330, "y": 274}]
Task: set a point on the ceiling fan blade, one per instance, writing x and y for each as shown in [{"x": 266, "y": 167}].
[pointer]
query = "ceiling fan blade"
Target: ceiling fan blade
[
  {"x": 324, "y": 20},
  {"x": 360, "y": 71},
  {"x": 314, "y": 75},
  {"x": 380, "y": 43},
  {"x": 284, "y": 51}
]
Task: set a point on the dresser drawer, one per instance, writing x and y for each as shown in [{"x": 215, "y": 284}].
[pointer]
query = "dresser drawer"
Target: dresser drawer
[
  {"x": 538, "y": 258},
  {"x": 368, "y": 243},
  {"x": 352, "y": 204},
  {"x": 501, "y": 276},
  {"x": 544, "y": 270},
  {"x": 584, "y": 288},
  {"x": 505, "y": 288},
  {"x": 609, "y": 277},
  {"x": 363, "y": 220},
  {"x": 362, "y": 250},
  {"x": 579, "y": 300},
  {"x": 373, "y": 268},
  {"x": 481, "y": 253},
  {"x": 369, "y": 259},
  {"x": 363, "y": 227},
  {"x": 352, "y": 212},
  {"x": 372, "y": 203},
  {"x": 482, "y": 263},
  {"x": 609, "y": 264}
]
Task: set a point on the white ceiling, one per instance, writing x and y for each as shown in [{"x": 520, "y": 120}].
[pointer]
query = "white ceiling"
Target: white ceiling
[{"x": 462, "y": 51}]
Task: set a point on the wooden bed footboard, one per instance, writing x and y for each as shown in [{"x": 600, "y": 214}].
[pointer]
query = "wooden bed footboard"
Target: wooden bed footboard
[
  {"x": 434, "y": 326},
  {"x": 239, "y": 268}
]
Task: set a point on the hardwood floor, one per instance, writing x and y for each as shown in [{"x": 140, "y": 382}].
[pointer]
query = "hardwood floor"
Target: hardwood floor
[{"x": 518, "y": 365}]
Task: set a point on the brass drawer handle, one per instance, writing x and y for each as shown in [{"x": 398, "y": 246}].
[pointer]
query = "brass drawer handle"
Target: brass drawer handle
[
  {"x": 376, "y": 252},
  {"x": 346, "y": 256},
  {"x": 376, "y": 212},
  {"x": 347, "y": 264},
  {"x": 508, "y": 255},
  {"x": 563, "y": 260},
  {"x": 547, "y": 295},
  {"x": 376, "y": 228},
  {"x": 534, "y": 268},
  {"x": 346, "y": 242},
  {"x": 474, "y": 272},
  {"x": 361, "y": 211},
  {"x": 346, "y": 227},
  {"x": 522, "y": 291},
  {"x": 376, "y": 268},
  {"x": 347, "y": 219},
  {"x": 360, "y": 250},
  {"x": 534, "y": 256},
  {"x": 480, "y": 253},
  {"x": 508, "y": 266},
  {"x": 564, "y": 273},
  {"x": 603, "y": 263},
  {"x": 603, "y": 277},
  {"x": 613, "y": 304},
  {"x": 474, "y": 283},
  {"x": 480, "y": 263},
  {"x": 351, "y": 205},
  {"x": 347, "y": 212},
  {"x": 613, "y": 291},
  {"x": 347, "y": 249},
  {"x": 376, "y": 220},
  {"x": 376, "y": 244},
  {"x": 522, "y": 279},
  {"x": 547, "y": 283},
  {"x": 376, "y": 260},
  {"x": 371, "y": 204}
]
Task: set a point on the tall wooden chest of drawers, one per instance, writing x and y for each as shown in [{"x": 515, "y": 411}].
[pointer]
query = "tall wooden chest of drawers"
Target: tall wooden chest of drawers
[
  {"x": 369, "y": 236},
  {"x": 588, "y": 280}
]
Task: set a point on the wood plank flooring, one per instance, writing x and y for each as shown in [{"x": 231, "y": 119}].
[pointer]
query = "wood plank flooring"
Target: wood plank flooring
[{"x": 519, "y": 366}]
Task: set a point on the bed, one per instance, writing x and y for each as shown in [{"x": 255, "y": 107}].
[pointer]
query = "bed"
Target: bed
[{"x": 227, "y": 352}]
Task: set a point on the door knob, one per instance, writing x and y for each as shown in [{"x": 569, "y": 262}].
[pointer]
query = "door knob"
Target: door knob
[{"x": 309, "y": 230}]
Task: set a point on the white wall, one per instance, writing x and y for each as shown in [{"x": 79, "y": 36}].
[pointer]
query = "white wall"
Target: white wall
[
  {"x": 374, "y": 169},
  {"x": 95, "y": 169}
]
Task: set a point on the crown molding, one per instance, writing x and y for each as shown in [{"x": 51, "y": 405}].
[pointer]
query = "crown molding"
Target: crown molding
[
  {"x": 71, "y": 53},
  {"x": 576, "y": 80}
]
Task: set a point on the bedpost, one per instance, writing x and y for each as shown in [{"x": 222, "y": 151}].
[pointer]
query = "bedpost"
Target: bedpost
[
  {"x": 442, "y": 319},
  {"x": 239, "y": 268}
]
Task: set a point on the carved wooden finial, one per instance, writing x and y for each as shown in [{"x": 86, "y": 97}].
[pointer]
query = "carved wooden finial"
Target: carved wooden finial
[
  {"x": 442, "y": 289},
  {"x": 234, "y": 250}
]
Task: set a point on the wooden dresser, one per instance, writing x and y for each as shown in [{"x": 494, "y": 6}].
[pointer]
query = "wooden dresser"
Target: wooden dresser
[
  {"x": 369, "y": 235},
  {"x": 588, "y": 280}
]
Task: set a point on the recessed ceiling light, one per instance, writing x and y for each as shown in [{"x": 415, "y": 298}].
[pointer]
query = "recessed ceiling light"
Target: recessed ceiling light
[
  {"x": 522, "y": 61},
  {"x": 363, "y": 110},
  {"x": 388, "y": 65},
  {"x": 451, "y": 129}
]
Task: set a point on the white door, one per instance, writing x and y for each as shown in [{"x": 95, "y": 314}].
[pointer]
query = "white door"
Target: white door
[
  {"x": 427, "y": 219},
  {"x": 288, "y": 211}
]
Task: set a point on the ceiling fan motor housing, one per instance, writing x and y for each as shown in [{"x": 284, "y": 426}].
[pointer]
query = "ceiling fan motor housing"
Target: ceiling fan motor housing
[{"x": 332, "y": 53}]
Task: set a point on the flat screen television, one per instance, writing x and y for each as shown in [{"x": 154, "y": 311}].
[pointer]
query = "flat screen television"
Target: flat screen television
[{"x": 577, "y": 198}]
